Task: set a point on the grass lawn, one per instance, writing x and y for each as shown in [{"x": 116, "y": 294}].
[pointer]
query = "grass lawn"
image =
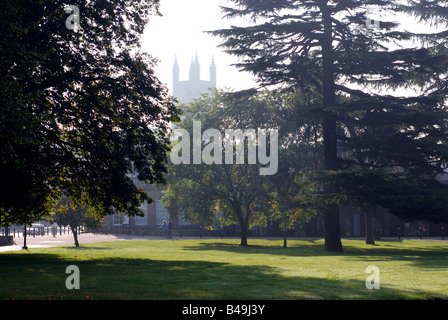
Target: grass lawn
[{"x": 221, "y": 269}]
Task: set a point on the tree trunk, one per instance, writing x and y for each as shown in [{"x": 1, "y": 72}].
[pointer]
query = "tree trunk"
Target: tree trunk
[
  {"x": 242, "y": 221},
  {"x": 332, "y": 229},
  {"x": 331, "y": 212},
  {"x": 244, "y": 235},
  {"x": 24, "y": 238},
  {"x": 75, "y": 235},
  {"x": 370, "y": 236}
]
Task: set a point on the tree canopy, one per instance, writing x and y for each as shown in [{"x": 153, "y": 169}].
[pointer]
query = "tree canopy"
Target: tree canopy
[
  {"x": 196, "y": 189},
  {"x": 381, "y": 87},
  {"x": 81, "y": 108},
  {"x": 238, "y": 192}
]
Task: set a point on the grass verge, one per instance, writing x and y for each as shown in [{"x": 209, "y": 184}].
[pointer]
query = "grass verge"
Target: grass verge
[{"x": 221, "y": 269}]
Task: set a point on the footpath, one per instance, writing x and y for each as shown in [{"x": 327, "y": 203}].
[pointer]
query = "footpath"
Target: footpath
[{"x": 48, "y": 241}]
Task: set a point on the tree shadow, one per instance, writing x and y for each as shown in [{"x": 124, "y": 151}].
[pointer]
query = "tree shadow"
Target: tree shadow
[
  {"x": 43, "y": 277},
  {"x": 308, "y": 246},
  {"x": 84, "y": 248},
  {"x": 427, "y": 256}
]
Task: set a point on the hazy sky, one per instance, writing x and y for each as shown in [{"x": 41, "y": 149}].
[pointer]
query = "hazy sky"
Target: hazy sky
[{"x": 180, "y": 32}]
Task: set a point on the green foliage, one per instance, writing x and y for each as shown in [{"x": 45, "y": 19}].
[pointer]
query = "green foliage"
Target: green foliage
[
  {"x": 70, "y": 213},
  {"x": 288, "y": 202},
  {"x": 236, "y": 193},
  {"x": 198, "y": 191},
  {"x": 81, "y": 109},
  {"x": 380, "y": 94},
  {"x": 75, "y": 215}
]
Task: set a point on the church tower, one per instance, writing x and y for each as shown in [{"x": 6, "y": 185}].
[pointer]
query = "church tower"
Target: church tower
[
  {"x": 186, "y": 91},
  {"x": 195, "y": 70},
  {"x": 213, "y": 73},
  {"x": 175, "y": 75}
]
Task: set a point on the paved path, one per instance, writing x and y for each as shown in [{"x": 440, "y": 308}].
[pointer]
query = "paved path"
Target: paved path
[
  {"x": 67, "y": 240},
  {"x": 48, "y": 241}
]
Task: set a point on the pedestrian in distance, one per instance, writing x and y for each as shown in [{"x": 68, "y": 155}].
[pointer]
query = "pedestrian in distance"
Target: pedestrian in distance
[
  {"x": 164, "y": 228},
  {"x": 170, "y": 229},
  {"x": 54, "y": 228}
]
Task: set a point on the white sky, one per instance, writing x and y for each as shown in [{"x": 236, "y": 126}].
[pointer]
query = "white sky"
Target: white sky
[{"x": 180, "y": 32}]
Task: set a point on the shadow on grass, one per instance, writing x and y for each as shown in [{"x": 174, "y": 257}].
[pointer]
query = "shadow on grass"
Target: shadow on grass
[
  {"x": 82, "y": 248},
  {"x": 42, "y": 276},
  {"x": 428, "y": 255},
  {"x": 305, "y": 248}
]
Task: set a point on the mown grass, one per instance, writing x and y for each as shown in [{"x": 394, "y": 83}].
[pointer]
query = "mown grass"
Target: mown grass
[{"x": 221, "y": 269}]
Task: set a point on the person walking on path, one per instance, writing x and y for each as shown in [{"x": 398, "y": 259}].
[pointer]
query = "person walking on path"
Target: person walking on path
[
  {"x": 164, "y": 229},
  {"x": 54, "y": 228}
]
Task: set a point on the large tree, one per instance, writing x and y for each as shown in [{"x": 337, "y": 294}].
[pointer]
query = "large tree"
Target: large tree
[
  {"x": 197, "y": 189},
  {"x": 332, "y": 48},
  {"x": 81, "y": 108},
  {"x": 238, "y": 190}
]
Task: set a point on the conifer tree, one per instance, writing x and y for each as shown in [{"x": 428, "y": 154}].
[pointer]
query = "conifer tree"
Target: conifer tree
[{"x": 389, "y": 128}]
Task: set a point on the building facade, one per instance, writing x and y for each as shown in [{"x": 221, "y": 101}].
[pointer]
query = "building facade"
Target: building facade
[{"x": 151, "y": 223}]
